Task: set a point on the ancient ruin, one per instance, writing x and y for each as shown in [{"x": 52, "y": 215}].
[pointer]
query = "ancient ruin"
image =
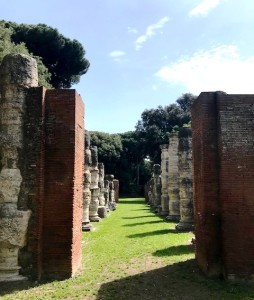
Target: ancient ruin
[
  {"x": 156, "y": 198},
  {"x": 164, "y": 180},
  {"x": 111, "y": 191},
  {"x": 13, "y": 218},
  {"x": 86, "y": 225},
  {"x": 223, "y": 163},
  {"x": 173, "y": 179},
  {"x": 116, "y": 189},
  {"x": 185, "y": 180},
  {"x": 102, "y": 210},
  {"x": 41, "y": 171},
  {"x": 94, "y": 187}
]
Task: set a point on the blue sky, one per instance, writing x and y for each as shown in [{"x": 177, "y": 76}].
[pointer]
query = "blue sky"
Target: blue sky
[{"x": 145, "y": 53}]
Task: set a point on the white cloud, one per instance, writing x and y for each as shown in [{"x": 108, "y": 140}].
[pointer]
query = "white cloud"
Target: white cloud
[
  {"x": 117, "y": 55},
  {"x": 218, "y": 69},
  {"x": 132, "y": 30},
  {"x": 150, "y": 31},
  {"x": 204, "y": 7}
]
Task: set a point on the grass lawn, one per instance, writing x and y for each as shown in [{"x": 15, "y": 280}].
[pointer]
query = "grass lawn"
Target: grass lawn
[{"x": 134, "y": 254}]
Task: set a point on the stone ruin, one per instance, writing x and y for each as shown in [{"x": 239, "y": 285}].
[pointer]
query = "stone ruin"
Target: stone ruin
[
  {"x": 41, "y": 174},
  {"x": 169, "y": 191},
  {"x": 173, "y": 179},
  {"x": 185, "y": 180},
  {"x": 223, "y": 164},
  {"x": 102, "y": 209},
  {"x": 94, "y": 187},
  {"x": 155, "y": 195},
  {"x": 116, "y": 189},
  {"x": 86, "y": 225},
  {"x": 111, "y": 192},
  {"x": 100, "y": 190},
  {"x": 164, "y": 180}
]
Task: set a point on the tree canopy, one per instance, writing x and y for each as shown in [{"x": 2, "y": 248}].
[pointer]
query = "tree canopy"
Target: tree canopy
[
  {"x": 64, "y": 58},
  {"x": 131, "y": 155},
  {"x": 7, "y": 46},
  {"x": 156, "y": 124}
]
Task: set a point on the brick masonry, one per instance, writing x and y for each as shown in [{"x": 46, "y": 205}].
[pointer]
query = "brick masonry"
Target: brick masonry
[
  {"x": 223, "y": 163},
  {"x": 64, "y": 160},
  {"x": 52, "y": 186}
]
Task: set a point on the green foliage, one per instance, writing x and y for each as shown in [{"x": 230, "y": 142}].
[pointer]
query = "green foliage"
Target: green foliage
[
  {"x": 157, "y": 124},
  {"x": 109, "y": 149},
  {"x": 64, "y": 58},
  {"x": 7, "y": 47},
  {"x": 123, "y": 155}
]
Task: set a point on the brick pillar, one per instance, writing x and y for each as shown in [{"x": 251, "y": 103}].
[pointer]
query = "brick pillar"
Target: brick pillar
[
  {"x": 64, "y": 160},
  {"x": 236, "y": 176},
  {"x": 206, "y": 184}
]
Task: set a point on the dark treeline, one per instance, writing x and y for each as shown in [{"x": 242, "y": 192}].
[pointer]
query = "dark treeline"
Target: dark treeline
[{"x": 131, "y": 155}]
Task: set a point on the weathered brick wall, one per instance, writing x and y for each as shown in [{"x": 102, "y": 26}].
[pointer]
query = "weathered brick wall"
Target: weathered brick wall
[
  {"x": 236, "y": 141},
  {"x": 223, "y": 163},
  {"x": 206, "y": 189},
  {"x": 64, "y": 159},
  {"x": 32, "y": 187}
]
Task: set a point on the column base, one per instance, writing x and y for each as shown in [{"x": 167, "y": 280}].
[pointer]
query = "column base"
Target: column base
[
  {"x": 102, "y": 212},
  {"x": 185, "y": 226},
  {"x": 11, "y": 274},
  {"x": 174, "y": 218},
  {"x": 163, "y": 213},
  {"x": 95, "y": 219},
  {"x": 87, "y": 227}
]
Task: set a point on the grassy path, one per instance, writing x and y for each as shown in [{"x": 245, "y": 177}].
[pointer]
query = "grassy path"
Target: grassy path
[{"x": 134, "y": 254}]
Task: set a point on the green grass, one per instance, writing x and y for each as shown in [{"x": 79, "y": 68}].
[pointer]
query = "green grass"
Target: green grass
[{"x": 134, "y": 254}]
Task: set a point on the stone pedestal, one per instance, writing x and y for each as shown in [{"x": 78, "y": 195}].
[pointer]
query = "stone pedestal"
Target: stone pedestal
[
  {"x": 150, "y": 185},
  {"x": 116, "y": 189},
  {"x": 112, "y": 202},
  {"x": 86, "y": 226},
  {"x": 102, "y": 211},
  {"x": 94, "y": 187},
  {"x": 157, "y": 188},
  {"x": 93, "y": 209},
  {"x": 173, "y": 180},
  {"x": 164, "y": 180},
  {"x": 106, "y": 194},
  {"x": 185, "y": 181},
  {"x": 13, "y": 222}
]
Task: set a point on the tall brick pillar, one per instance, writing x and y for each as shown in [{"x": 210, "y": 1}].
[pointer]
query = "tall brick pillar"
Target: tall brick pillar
[
  {"x": 206, "y": 184},
  {"x": 223, "y": 160},
  {"x": 64, "y": 161}
]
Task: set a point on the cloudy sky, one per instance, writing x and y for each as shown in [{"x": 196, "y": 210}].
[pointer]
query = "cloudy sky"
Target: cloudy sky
[{"x": 145, "y": 53}]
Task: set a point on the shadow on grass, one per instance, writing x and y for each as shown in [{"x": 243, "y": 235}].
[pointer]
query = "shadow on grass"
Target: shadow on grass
[
  {"x": 133, "y": 201},
  {"x": 151, "y": 233},
  {"x": 138, "y": 217},
  {"x": 7, "y": 288},
  {"x": 142, "y": 223},
  {"x": 180, "y": 281},
  {"x": 174, "y": 250},
  {"x": 147, "y": 209}
]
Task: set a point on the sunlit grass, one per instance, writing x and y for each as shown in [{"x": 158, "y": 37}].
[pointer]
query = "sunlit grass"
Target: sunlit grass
[{"x": 131, "y": 249}]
